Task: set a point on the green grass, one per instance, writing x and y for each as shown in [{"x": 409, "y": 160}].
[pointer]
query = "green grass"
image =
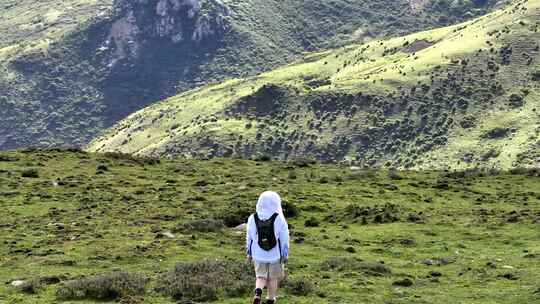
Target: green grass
[
  {"x": 111, "y": 216},
  {"x": 401, "y": 102}
]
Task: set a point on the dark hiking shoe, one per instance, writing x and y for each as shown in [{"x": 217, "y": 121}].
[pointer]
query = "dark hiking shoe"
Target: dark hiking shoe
[
  {"x": 258, "y": 295},
  {"x": 268, "y": 301}
]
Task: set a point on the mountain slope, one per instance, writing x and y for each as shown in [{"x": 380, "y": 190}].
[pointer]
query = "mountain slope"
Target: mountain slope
[
  {"x": 31, "y": 21},
  {"x": 460, "y": 96},
  {"x": 72, "y": 68}
]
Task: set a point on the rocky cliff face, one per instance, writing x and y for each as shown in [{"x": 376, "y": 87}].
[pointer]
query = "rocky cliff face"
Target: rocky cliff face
[{"x": 178, "y": 21}]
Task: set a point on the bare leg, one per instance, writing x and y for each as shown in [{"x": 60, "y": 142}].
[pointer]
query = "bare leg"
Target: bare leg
[
  {"x": 272, "y": 288},
  {"x": 260, "y": 283}
]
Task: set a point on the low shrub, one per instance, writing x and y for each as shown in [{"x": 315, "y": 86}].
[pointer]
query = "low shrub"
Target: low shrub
[
  {"x": 5, "y": 158},
  {"x": 235, "y": 214},
  {"x": 303, "y": 162},
  {"x": 324, "y": 180},
  {"x": 536, "y": 75},
  {"x": 205, "y": 225},
  {"x": 377, "y": 214},
  {"x": 104, "y": 287},
  {"x": 290, "y": 210},
  {"x": 133, "y": 159},
  {"x": 525, "y": 171},
  {"x": 312, "y": 222},
  {"x": 292, "y": 174},
  {"x": 30, "y": 173},
  {"x": 206, "y": 280},
  {"x": 298, "y": 286},
  {"x": 342, "y": 264},
  {"x": 262, "y": 158}
]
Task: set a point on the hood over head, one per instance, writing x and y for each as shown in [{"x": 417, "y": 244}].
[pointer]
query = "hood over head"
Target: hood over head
[{"x": 269, "y": 203}]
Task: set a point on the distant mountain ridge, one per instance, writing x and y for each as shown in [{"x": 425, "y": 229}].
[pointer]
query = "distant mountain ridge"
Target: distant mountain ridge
[
  {"x": 70, "y": 69},
  {"x": 456, "y": 97}
]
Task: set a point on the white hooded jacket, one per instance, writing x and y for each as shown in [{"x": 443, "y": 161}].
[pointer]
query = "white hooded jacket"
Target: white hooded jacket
[{"x": 269, "y": 203}]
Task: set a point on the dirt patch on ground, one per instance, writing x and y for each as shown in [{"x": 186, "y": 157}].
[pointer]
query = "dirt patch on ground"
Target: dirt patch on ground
[{"x": 417, "y": 45}]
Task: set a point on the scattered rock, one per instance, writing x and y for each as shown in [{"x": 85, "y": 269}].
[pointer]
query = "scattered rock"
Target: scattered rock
[
  {"x": 445, "y": 261},
  {"x": 428, "y": 262},
  {"x": 18, "y": 283},
  {"x": 241, "y": 227},
  {"x": 508, "y": 267},
  {"x": 58, "y": 226},
  {"x": 439, "y": 261},
  {"x": 165, "y": 234}
]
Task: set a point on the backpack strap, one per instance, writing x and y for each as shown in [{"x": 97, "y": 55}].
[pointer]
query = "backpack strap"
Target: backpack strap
[
  {"x": 257, "y": 219},
  {"x": 273, "y": 217},
  {"x": 280, "y": 254}
]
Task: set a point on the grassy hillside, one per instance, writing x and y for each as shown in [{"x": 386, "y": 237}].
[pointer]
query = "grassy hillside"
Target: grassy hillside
[
  {"x": 69, "y": 69},
  {"x": 113, "y": 226},
  {"x": 30, "y": 22},
  {"x": 460, "y": 97}
]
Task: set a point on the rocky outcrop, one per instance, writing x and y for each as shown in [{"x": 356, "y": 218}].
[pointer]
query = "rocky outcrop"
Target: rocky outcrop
[
  {"x": 418, "y": 5},
  {"x": 139, "y": 22}
]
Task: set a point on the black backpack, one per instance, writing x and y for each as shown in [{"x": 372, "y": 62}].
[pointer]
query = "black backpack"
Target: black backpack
[{"x": 265, "y": 232}]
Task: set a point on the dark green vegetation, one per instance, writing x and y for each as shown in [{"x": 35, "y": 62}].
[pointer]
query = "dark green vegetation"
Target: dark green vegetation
[
  {"x": 114, "y": 227},
  {"x": 69, "y": 69},
  {"x": 456, "y": 97}
]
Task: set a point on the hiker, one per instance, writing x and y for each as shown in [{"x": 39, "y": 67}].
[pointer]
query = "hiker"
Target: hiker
[{"x": 268, "y": 245}]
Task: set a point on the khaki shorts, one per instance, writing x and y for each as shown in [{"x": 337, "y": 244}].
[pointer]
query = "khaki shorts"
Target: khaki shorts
[{"x": 269, "y": 270}]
